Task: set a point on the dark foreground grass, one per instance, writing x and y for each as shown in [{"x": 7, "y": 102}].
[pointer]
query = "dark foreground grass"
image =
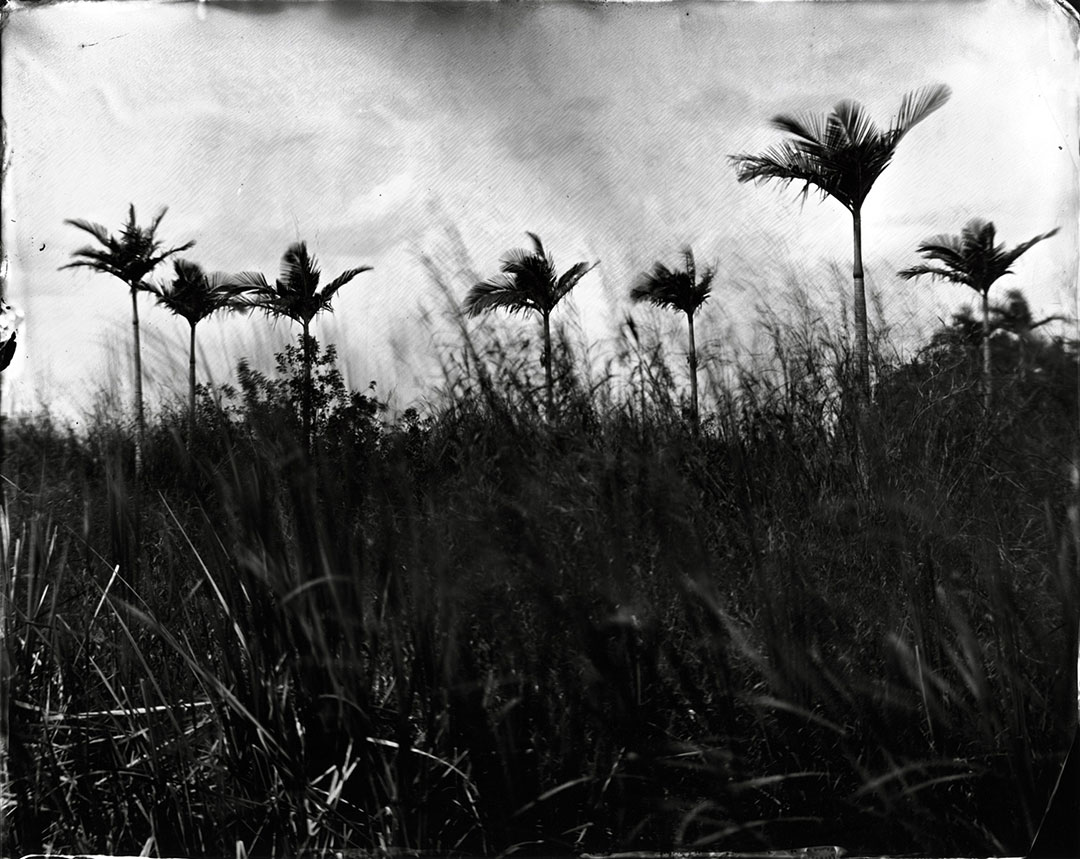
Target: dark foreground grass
[{"x": 472, "y": 630}]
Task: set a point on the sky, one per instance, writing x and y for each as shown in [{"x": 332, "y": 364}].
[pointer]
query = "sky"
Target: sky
[{"x": 385, "y": 132}]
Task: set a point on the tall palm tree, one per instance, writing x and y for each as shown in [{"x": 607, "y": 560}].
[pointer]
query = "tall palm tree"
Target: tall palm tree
[
  {"x": 194, "y": 295},
  {"x": 842, "y": 155},
  {"x": 528, "y": 282},
  {"x": 296, "y": 295},
  {"x": 679, "y": 289},
  {"x": 974, "y": 260},
  {"x": 130, "y": 257}
]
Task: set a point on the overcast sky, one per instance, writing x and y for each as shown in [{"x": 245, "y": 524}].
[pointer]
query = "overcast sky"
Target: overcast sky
[{"x": 382, "y": 131}]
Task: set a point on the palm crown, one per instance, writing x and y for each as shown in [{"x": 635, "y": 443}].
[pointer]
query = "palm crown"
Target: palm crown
[
  {"x": 296, "y": 292},
  {"x": 972, "y": 258},
  {"x": 675, "y": 289},
  {"x": 194, "y": 295},
  {"x": 841, "y": 154},
  {"x": 131, "y": 256},
  {"x": 527, "y": 282}
]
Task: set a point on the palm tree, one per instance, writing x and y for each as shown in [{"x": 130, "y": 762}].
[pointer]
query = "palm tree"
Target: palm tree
[
  {"x": 974, "y": 260},
  {"x": 679, "y": 289},
  {"x": 130, "y": 257},
  {"x": 195, "y": 295},
  {"x": 528, "y": 282},
  {"x": 296, "y": 295},
  {"x": 1015, "y": 317},
  {"x": 842, "y": 155}
]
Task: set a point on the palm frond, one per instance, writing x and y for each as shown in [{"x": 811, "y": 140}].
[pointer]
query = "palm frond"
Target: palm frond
[
  {"x": 855, "y": 127},
  {"x": 299, "y": 271},
  {"x": 1022, "y": 248},
  {"x": 521, "y": 262},
  {"x": 787, "y": 163},
  {"x": 703, "y": 288},
  {"x": 249, "y": 280},
  {"x": 499, "y": 293},
  {"x": 89, "y": 257},
  {"x": 538, "y": 246},
  {"x": 161, "y": 256},
  {"x": 570, "y": 278},
  {"x": 333, "y": 286},
  {"x": 916, "y": 107},
  {"x": 809, "y": 128},
  {"x": 933, "y": 271},
  {"x": 944, "y": 249},
  {"x": 96, "y": 230},
  {"x": 155, "y": 223},
  {"x": 688, "y": 263}
]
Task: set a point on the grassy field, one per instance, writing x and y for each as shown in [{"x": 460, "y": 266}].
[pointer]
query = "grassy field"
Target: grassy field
[{"x": 474, "y": 629}]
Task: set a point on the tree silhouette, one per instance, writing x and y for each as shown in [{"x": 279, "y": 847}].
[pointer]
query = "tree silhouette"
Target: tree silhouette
[
  {"x": 842, "y": 155},
  {"x": 679, "y": 289},
  {"x": 296, "y": 295},
  {"x": 195, "y": 295},
  {"x": 1014, "y": 316},
  {"x": 129, "y": 257},
  {"x": 528, "y": 282},
  {"x": 974, "y": 260}
]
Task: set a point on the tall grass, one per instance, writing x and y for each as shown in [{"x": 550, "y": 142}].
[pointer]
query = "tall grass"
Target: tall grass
[{"x": 472, "y": 630}]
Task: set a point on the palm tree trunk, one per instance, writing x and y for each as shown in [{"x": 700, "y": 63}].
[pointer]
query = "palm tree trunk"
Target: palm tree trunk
[
  {"x": 549, "y": 384},
  {"x": 862, "y": 340},
  {"x": 986, "y": 349},
  {"x": 140, "y": 418},
  {"x": 306, "y": 405},
  {"x": 191, "y": 390},
  {"x": 641, "y": 386},
  {"x": 693, "y": 375}
]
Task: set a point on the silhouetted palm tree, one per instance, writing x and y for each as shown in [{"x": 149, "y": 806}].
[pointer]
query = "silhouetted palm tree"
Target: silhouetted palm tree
[
  {"x": 842, "y": 155},
  {"x": 974, "y": 260},
  {"x": 195, "y": 295},
  {"x": 528, "y": 282},
  {"x": 679, "y": 289},
  {"x": 296, "y": 295},
  {"x": 1015, "y": 316},
  {"x": 130, "y": 257}
]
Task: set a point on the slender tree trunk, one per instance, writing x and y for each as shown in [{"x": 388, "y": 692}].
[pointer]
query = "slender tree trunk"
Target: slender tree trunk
[
  {"x": 862, "y": 340},
  {"x": 987, "y": 383},
  {"x": 549, "y": 384},
  {"x": 191, "y": 390},
  {"x": 693, "y": 375},
  {"x": 306, "y": 405},
  {"x": 140, "y": 418},
  {"x": 641, "y": 387}
]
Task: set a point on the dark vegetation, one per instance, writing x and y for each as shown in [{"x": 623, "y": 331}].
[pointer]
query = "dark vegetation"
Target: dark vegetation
[
  {"x": 484, "y": 627},
  {"x": 556, "y": 610}
]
